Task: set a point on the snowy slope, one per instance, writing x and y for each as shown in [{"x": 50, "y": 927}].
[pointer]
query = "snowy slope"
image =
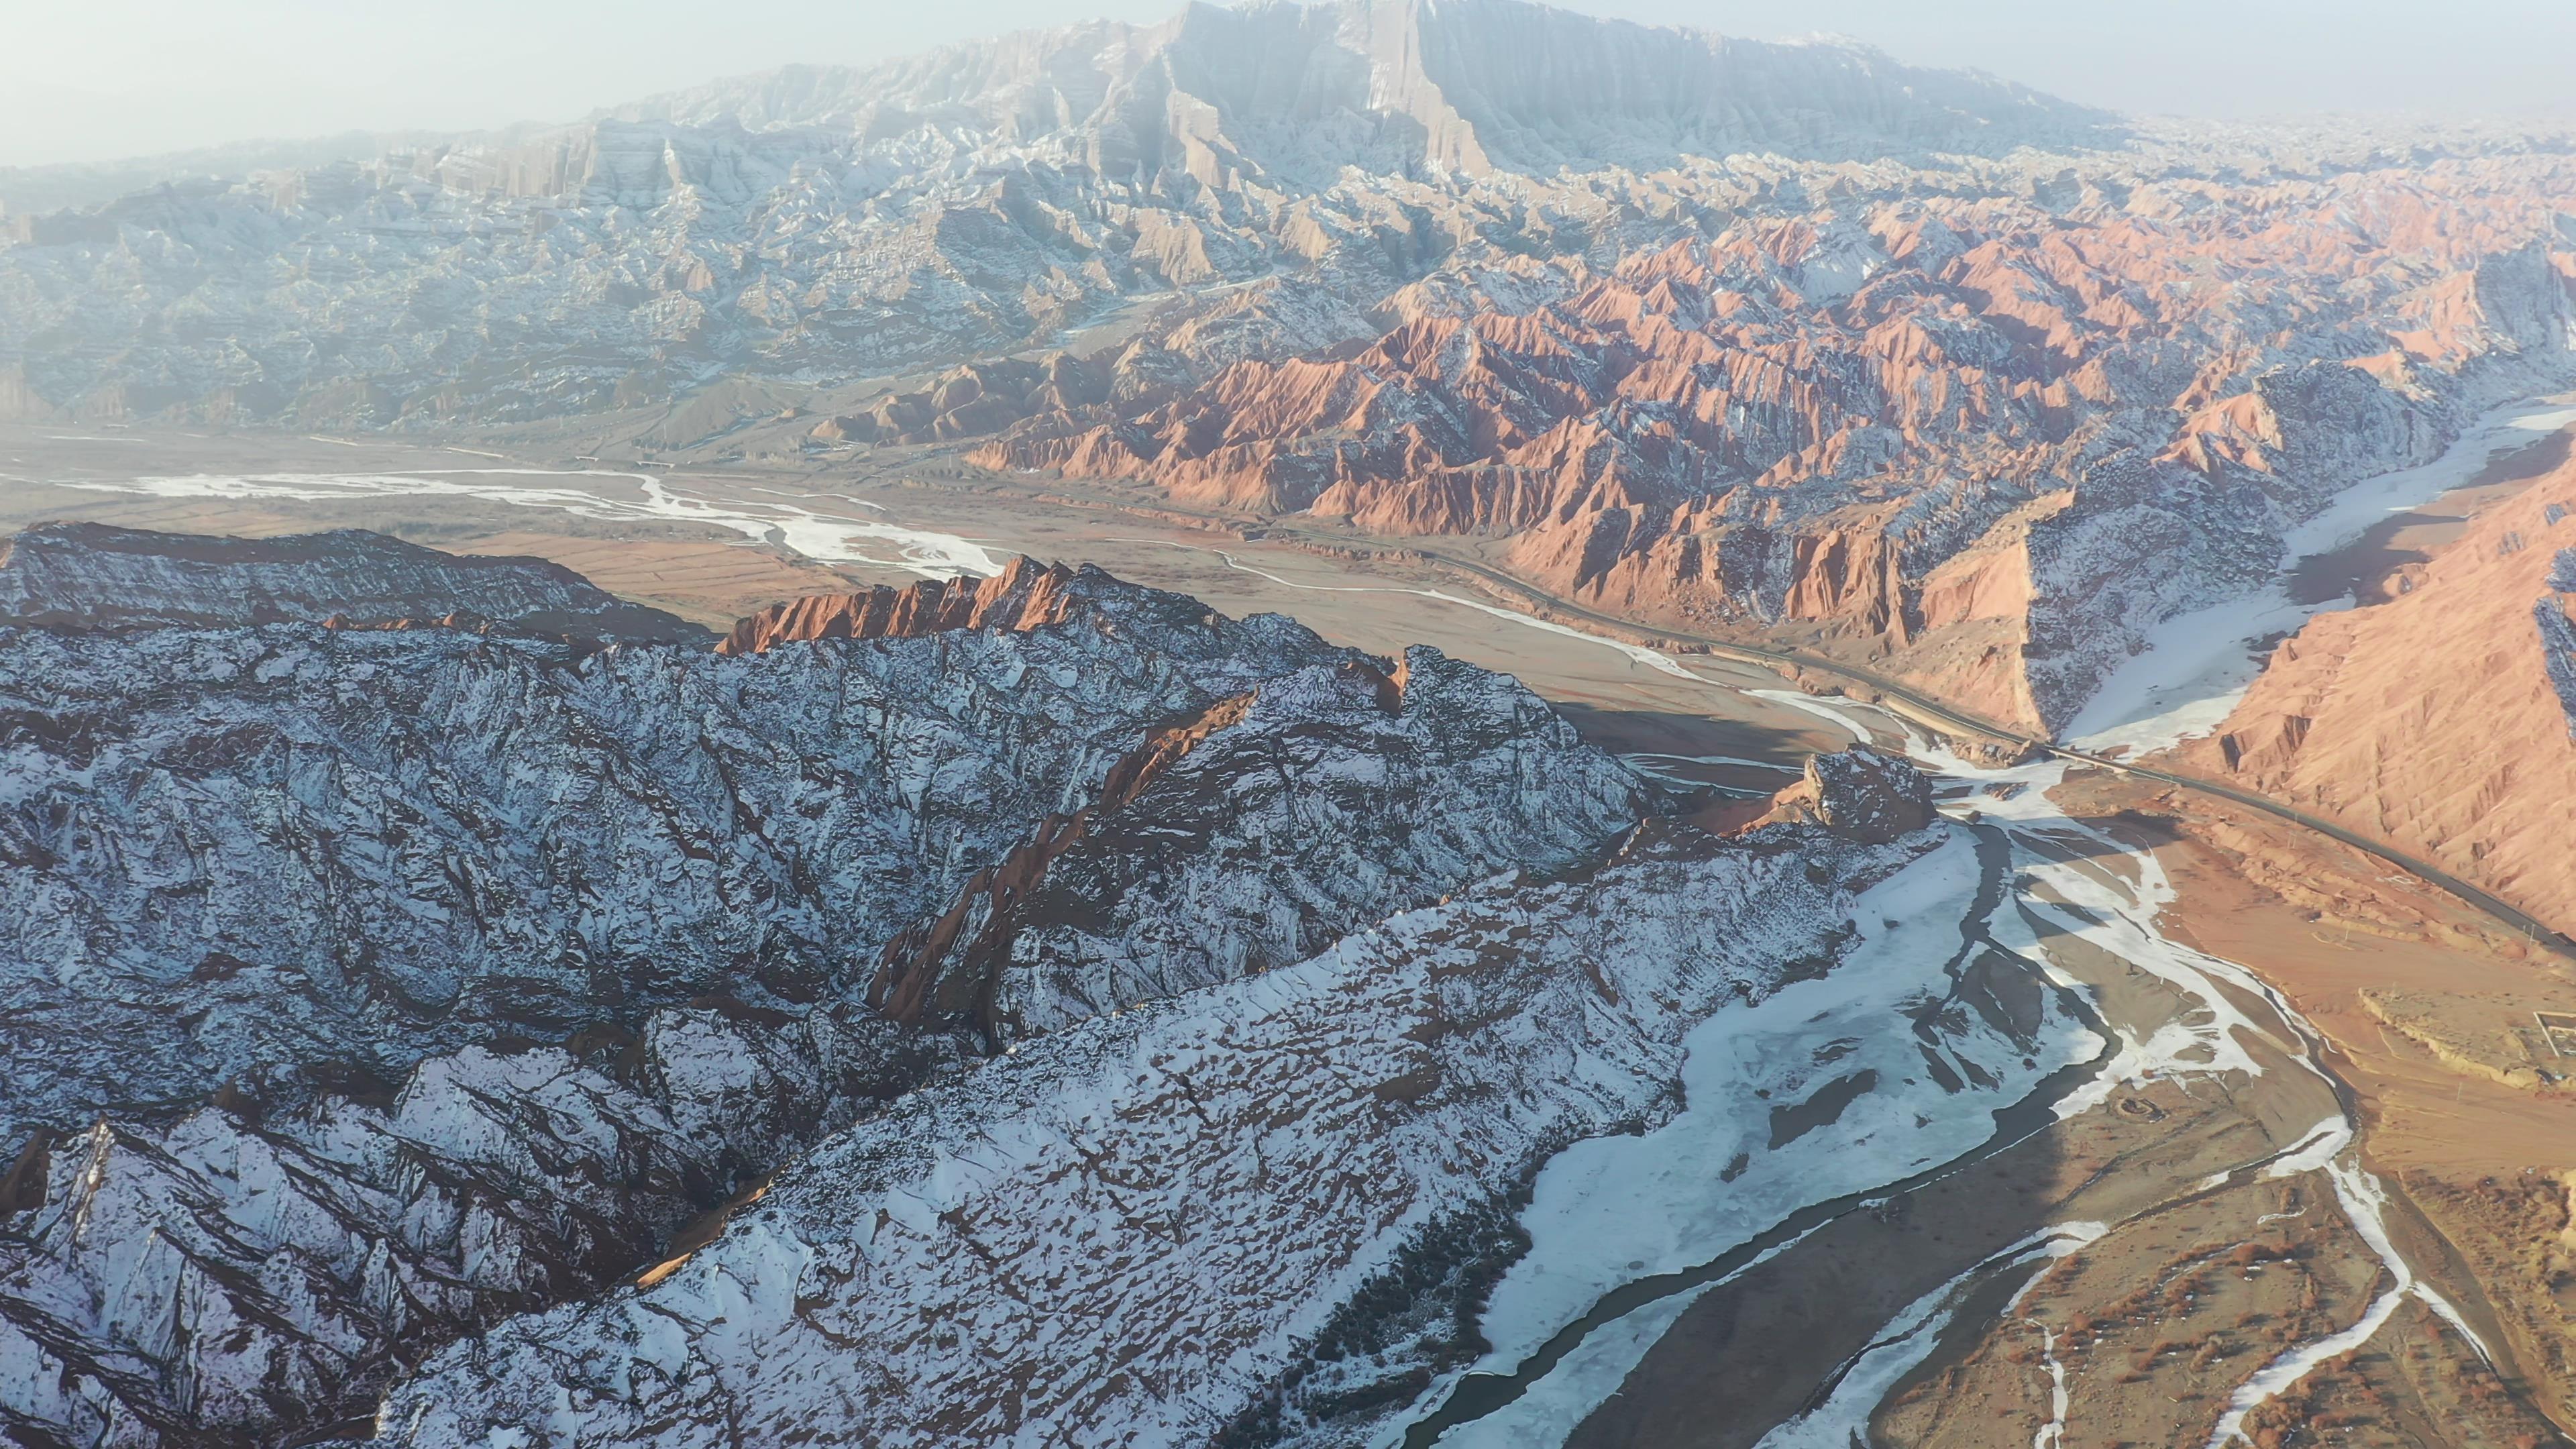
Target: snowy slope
[
  {"x": 1132, "y": 1231},
  {"x": 371, "y": 985}
]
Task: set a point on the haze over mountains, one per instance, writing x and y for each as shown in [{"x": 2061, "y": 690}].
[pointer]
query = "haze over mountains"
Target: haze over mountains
[
  {"x": 979, "y": 197},
  {"x": 444, "y": 1002},
  {"x": 1783, "y": 337}
]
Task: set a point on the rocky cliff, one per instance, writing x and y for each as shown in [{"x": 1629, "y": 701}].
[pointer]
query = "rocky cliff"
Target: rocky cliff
[
  {"x": 1023, "y": 596},
  {"x": 1291, "y": 93},
  {"x": 1992, "y": 440},
  {"x": 370, "y": 985},
  {"x": 2438, "y": 719}
]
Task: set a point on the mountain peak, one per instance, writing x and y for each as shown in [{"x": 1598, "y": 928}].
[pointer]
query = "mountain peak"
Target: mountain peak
[{"x": 1294, "y": 91}]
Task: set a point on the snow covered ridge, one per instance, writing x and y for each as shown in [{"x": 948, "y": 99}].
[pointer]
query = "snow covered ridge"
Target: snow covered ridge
[
  {"x": 93, "y": 575},
  {"x": 370, "y": 985},
  {"x": 1132, "y": 1231},
  {"x": 234, "y": 1274}
]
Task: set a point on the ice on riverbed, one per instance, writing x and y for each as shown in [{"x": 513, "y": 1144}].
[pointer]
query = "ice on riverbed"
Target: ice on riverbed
[
  {"x": 1898, "y": 1349},
  {"x": 1742, "y": 1156},
  {"x": 2196, "y": 666},
  {"x": 821, "y": 537}
]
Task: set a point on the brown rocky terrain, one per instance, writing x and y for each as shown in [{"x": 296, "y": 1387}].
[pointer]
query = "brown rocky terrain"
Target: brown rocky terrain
[
  {"x": 2428, "y": 1008},
  {"x": 2433, "y": 720},
  {"x": 1024, "y": 595},
  {"x": 1988, "y": 439}
]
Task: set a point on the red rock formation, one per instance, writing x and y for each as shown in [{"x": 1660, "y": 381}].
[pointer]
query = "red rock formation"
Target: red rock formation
[
  {"x": 948, "y": 966},
  {"x": 1024, "y": 595},
  {"x": 1804, "y": 426},
  {"x": 2429, "y": 720}
]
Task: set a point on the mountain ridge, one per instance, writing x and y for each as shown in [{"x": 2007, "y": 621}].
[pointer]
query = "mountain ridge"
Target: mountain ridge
[{"x": 370, "y": 984}]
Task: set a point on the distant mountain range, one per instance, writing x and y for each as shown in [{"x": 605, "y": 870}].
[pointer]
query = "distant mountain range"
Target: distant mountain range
[
  {"x": 1788, "y": 340},
  {"x": 830, "y": 223}
]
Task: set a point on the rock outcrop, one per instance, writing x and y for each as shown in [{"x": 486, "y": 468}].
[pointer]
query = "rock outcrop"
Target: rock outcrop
[
  {"x": 368, "y": 985},
  {"x": 1024, "y": 595},
  {"x": 1859, "y": 794}
]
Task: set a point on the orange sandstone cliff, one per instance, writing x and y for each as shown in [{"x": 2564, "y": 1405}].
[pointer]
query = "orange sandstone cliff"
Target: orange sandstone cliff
[
  {"x": 2433, "y": 720},
  {"x": 1024, "y": 595}
]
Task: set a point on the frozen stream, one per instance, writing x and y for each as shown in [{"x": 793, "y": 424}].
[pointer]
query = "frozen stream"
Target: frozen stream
[
  {"x": 2196, "y": 666},
  {"x": 827, "y": 538},
  {"x": 1568, "y": 1326}
]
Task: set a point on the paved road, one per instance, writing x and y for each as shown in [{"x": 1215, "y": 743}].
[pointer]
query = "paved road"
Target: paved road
[
  {"x": 1907, "y": 700},
  {"x": 1933, "y": 711},
  {"x": 1929, "y": 710}
]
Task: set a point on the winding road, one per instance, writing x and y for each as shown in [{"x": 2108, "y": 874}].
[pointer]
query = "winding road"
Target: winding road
[
  {"x": 1913, "y": 703},
  {"x": 1927, "y": 710}
]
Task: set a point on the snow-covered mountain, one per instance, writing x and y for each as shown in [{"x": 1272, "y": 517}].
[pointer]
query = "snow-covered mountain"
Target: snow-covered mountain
[
  {"x": 1268, "y": 1212},
  {"x": 819, "y": 225},
  {"x": 94, "y": 576},
  {"x": 1290, "y": 94},
  {"x": 1783, "y": 340},
  {"x": 366, "y": 984}
]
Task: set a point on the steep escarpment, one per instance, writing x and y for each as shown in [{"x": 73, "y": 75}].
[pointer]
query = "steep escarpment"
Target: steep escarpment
[
  {"x": 1986, "y": 441},
  {"x": 1023, "y": 596},
  {"x": 1289, "y": 93},
  {"x": 371, "y": 985},
  {"x": 2438, "y": 720}
]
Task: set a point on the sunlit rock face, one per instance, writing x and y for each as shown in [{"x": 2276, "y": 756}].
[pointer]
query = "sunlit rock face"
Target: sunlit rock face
[
  {"x": 1991, "y": 440},
  {"x": 2439, "y": 714}
]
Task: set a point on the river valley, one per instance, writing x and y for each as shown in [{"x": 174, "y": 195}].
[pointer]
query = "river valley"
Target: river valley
[{"x": 2027, "y": 1144}]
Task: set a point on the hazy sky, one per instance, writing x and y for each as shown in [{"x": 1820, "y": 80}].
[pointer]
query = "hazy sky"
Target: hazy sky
[{"x": 106, "y": 78}]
